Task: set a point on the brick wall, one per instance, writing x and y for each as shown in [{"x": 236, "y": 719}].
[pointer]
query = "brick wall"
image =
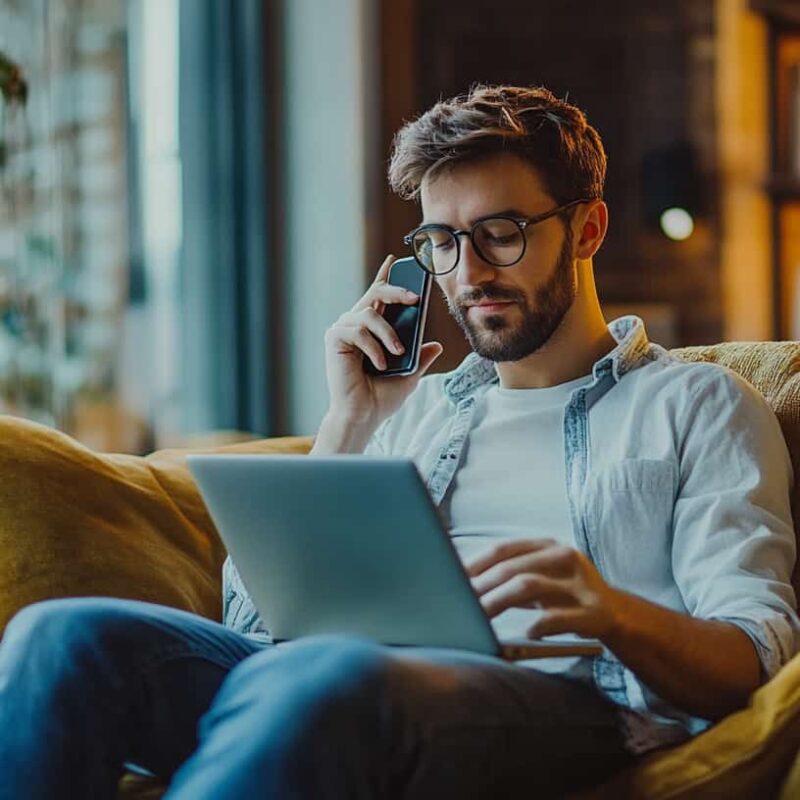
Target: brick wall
[{"x": 63, "y": 217}]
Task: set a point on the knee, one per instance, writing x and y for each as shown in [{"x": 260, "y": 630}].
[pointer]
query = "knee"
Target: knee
[
  {"x": 304, "y": 714},
  {"x": 345, "y": 671},
  {"x": 317, "y": 665},
  {"x": 61, "y": 624},
  {"x": 339, "y": 659},
  {"x": 314, "y": 680}
]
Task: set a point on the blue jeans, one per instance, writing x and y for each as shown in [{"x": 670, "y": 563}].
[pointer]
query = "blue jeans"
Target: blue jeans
[{"x": 89, "y": 684}]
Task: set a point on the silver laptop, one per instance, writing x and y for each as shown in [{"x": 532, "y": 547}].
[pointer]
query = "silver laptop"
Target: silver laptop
[{"x": 352, "y": 544}]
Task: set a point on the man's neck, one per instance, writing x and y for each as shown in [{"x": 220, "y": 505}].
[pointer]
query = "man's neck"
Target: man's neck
[{"x": 577, "y": 344}]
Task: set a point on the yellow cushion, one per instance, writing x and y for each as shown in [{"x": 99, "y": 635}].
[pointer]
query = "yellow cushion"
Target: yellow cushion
[
  {"x": 791, "y": 786},
  {"x": 746, "y": 756},
  {"x": 74, "y": 522}
]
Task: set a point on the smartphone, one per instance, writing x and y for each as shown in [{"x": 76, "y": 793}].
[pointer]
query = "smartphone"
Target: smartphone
[{"x": 407, "y": 321}]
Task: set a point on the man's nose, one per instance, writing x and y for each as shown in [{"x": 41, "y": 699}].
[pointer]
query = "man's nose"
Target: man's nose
[{"x": 471, "y": 269}]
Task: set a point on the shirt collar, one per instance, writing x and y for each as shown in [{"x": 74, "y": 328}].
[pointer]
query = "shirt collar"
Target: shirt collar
[{"x": 632, "y": 347}]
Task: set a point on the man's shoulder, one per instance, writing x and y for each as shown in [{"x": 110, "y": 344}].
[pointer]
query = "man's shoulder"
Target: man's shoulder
[
  {"x": 686, "y": 378},
  {"x": 695, "y": 394}
]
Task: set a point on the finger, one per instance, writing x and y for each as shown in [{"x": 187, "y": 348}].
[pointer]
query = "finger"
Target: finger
[
  {"x": 381, "y": 280},
  {"x": 376, "y": 324},
  {"x": 503, "y": 551},
  {"x": 428, "y": 353},
  {"x": 381, "y": 329},
  {"x": 385, "y": 268},
  {"x": 358, "y": 337},
  {"x": 380, "y": 295},
  {"x": 528, "y": 591},
  {"x": 557, "y": 621},
  {"x": 556, "y": 561}
]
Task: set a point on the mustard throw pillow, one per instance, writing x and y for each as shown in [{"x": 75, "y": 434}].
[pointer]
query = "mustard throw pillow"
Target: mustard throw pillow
[
  {"x": 745, "y": 756},
  {"x": 77, "y": 523}
]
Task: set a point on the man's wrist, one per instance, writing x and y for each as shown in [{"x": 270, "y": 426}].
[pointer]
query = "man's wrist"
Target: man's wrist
[
  {"x": 342, "y": 433},
  {"x": 619, "y": 611}
]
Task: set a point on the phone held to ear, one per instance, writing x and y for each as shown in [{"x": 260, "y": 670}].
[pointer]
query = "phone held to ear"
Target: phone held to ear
[{"x": 408, "y": 321}]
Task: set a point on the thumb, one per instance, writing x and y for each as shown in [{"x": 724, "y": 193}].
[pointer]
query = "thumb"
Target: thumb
[{"x": 428, "y": 353}]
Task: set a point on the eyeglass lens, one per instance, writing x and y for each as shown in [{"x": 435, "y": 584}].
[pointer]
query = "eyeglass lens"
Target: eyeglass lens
[{"x": 499, "y": 241}]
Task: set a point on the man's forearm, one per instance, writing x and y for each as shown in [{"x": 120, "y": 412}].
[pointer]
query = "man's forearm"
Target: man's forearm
[
  {"x": 707, "y": 667},
  {"x": 340, "y": 435}
]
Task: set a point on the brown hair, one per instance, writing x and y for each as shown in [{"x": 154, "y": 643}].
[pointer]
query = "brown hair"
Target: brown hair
[{"x": 531, "y": 122}]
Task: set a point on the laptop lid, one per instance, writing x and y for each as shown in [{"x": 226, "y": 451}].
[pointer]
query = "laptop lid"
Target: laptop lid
[{"x": 349, "y": 544}]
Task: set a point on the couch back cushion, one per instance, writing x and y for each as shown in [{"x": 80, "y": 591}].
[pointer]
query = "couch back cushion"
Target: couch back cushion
[{"x": 74, "y": 522}]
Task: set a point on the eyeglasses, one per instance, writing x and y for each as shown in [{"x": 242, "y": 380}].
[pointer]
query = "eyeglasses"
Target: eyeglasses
[{"x": 500, "y": 241}]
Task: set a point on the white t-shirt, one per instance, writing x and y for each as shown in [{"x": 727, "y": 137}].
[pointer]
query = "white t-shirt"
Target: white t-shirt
[{"x": 511, "y": 483}]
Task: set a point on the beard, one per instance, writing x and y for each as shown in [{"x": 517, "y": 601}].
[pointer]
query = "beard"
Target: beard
[{"x": 498, "y": 339}]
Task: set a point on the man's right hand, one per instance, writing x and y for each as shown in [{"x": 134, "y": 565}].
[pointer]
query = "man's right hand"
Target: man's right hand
[{"x": 356, "y": 398}]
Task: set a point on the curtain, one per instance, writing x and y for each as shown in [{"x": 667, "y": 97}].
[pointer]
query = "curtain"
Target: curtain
[{"x": 225, "y": 270}]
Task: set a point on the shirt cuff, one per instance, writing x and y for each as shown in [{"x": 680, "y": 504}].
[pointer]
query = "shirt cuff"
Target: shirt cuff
[{"x": 770, "y": 649}]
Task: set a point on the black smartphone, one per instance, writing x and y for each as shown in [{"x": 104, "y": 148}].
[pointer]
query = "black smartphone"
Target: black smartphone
[{"x": 407, "y": 321}]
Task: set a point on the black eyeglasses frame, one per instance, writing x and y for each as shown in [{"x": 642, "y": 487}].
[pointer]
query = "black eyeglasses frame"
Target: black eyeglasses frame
[{"x": 521, "y": 222}]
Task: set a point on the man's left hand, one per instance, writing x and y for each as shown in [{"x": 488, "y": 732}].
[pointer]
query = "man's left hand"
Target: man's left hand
[{"x": 540, "y": 573}]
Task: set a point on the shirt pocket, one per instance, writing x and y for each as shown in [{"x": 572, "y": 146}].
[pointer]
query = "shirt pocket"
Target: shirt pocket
[{"x": 629, "y": 507}]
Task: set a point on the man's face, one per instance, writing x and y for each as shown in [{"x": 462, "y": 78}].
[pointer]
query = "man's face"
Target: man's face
[{"x": 533, "y": 295}]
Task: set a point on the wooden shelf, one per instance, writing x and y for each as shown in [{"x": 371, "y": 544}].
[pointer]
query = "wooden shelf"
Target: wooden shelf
[
  {"x": 785, "y": 11},
  {"x": 784, "y": 187},
  {"x": 783, "y": 184}
]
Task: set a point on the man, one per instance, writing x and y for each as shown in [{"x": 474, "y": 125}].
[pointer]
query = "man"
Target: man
[{"x": 593, "y": 484}]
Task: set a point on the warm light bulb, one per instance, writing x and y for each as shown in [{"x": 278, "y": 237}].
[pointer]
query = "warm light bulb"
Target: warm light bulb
[{"x": 677, "y": 224}]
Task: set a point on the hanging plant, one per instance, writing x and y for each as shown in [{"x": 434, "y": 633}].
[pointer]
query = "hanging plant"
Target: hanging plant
[
  {"x": 12, "y": 82},
  {"x": 14, "y": 89}
]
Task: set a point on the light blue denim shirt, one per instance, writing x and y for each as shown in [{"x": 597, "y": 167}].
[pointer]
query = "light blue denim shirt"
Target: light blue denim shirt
[{"x": 678, "y": 482}]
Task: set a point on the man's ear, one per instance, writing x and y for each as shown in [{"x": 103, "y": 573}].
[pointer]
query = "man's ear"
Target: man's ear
[{"x": 593, "y": 224}]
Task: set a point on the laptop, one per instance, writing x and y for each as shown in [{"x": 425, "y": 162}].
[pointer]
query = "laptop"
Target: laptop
[{"x": 354, "y": 545}]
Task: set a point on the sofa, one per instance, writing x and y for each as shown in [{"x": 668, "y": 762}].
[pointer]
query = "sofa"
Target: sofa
[{"x": 74, "y": 522}]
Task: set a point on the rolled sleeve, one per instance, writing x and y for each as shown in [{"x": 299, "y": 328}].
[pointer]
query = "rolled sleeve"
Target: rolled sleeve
[
  {"x": 238, "y": 610},
  {"x": 733, "y": 539},
  {"x": 768, "y": 636}
]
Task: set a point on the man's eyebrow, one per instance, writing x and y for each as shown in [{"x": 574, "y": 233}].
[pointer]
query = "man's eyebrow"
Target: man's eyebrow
[{"x": 506, "y": 212}]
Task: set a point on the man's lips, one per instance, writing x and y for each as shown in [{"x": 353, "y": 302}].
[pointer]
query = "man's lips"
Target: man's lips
[{"x": 492, "y": 306}]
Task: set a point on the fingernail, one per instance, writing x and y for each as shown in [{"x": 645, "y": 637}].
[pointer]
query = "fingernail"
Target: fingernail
[
  {"x": 397, "y": 346},
  {"x": 409, "y": 293}
]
